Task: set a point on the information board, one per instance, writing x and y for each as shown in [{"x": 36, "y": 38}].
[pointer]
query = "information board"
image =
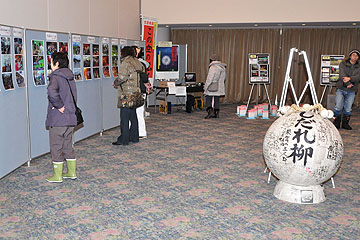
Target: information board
[
  {"x": 330, "y": 68},
  {"x": 259, "y": 68},
  {"x": 167, "y": 62}
]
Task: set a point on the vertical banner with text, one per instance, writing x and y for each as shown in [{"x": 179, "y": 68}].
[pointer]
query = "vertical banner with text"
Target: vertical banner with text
[{"x": 149, "y": 28}]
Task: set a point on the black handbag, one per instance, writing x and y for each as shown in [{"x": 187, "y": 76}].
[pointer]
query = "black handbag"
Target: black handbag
[{"x": 78, "y": 112}]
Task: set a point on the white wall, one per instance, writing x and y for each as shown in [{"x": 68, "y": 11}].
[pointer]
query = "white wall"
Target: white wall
[
  {"x": 163, "y": 34},
  {"x": 247, "y": 11},
  {"x": 112, "y": 18}
]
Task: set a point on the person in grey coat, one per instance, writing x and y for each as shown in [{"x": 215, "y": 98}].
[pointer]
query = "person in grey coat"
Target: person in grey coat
[
  {"x": 61, "y": 118},
  {"x": 214, "y": 86}
]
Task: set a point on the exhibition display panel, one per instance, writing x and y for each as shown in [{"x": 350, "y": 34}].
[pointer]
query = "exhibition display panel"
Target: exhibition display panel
[
  {"x": 39, "y": 47},
  {"x": 14, "y": 144},
  {"x": 85, "y": 66},
  {"x": 25, "y": 59}
]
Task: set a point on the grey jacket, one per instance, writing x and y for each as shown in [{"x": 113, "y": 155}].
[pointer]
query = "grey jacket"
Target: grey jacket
[
  {"x": 217, "y": 73},
  {"x": 346, "y": 69},
  {"x": 59, "y": 96}
]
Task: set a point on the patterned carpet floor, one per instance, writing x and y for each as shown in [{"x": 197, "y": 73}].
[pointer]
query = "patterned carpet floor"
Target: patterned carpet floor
[{"x": 190, "y": 179}]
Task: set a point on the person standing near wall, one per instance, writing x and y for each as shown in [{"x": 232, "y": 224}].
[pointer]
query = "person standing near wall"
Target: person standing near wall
[
  {"x": 61, "y": 118},
  {"x": 346, "y": 89},
  {"x": 127, "y": 84},
  {"x": 214, "y": 86}
]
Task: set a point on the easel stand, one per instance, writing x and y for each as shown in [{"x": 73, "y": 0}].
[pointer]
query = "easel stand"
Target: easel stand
[
  {"x": 258, "y": 94},
  {"x": 309, "y": 83},
  {"x": 323, "y": 93},
  {"x": 288, "y": 80}
]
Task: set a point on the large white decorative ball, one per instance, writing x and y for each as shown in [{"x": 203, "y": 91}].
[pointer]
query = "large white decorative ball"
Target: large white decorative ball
[{"x": 302, "y": 148}]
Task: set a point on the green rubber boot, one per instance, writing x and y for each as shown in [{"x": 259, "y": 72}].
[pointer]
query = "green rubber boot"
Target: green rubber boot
[
  {"x": 57, "y": 176},
  {"x": 71, "y": 169}
]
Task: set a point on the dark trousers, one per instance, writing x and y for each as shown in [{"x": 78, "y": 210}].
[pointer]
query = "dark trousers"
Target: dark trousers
[
  {"x": 61, "y": 143},
  {"x": 209, "y": 100},
  {"x": 128, "y": 134}
]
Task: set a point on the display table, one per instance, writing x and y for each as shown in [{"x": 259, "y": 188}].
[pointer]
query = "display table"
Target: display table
[{"x": 162, "y": 93}]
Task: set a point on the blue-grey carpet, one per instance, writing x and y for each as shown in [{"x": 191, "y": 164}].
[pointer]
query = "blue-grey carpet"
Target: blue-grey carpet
[{"x": 190, "y": 179}]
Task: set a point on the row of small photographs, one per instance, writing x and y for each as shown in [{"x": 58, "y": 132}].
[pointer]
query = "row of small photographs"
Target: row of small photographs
[
  {"x": 87, "y": 73},
  {"x": 331, "y": 70},
  {"x": 8, "y": 81},
  {"x": 332, "y": 78},
  {"x": 95, "y": 49},
  {"x": 329, "y": 75},
  {"x": 259, "y": 73},
  {"x": 259, "y": 80},
  {"x": 87, "y": 49},
  {"x": 96, "y": 61},
  {"x": 257, "y": 67},
  {"x": 6, "y": 63},
  {"x": 53, "y": 47},
  {"x": 5, "y": 45},
  {"x": 96, "y": 72},
  {"x": 332, "y": 60}
]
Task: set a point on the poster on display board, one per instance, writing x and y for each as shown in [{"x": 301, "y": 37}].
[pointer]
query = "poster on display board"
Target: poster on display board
[
  {"x": 330, "y": 68},
  {"x": 167, "y": 62},
  {"x": 87, "y": 61},
  {"x": 105, "y": 57},
  {"x": 38, "y": 62},
  {"x": 19, "y": 57},
  {"x": 6, "y": 60},
  {"x": 76, "y": 50},
  {"x": 115, "y": 57},
  {"x": 259, "y": 68},
  {"x": 96, "y": 60}
]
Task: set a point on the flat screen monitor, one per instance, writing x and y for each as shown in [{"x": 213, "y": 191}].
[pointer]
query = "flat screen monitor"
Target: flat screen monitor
[{"x": 190, "y": 77}]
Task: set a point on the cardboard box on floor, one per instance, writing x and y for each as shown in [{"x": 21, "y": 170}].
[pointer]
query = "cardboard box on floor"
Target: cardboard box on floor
[{"x": 163, "y": 108}]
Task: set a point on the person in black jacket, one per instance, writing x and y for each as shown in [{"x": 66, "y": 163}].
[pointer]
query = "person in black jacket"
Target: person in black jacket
[{"x": 346, "y": 88}]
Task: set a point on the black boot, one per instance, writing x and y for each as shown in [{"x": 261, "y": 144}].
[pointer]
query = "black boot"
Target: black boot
[
  {"x": 210, "y": 111},
  {"x": 345, "y": 123},
  {"x": 337, "y": 121},
  {"x": 216, "y": 114}
]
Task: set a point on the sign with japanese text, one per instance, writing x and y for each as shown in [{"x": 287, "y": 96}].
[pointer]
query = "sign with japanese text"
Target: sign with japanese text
[{"x": 149, "y": 28}]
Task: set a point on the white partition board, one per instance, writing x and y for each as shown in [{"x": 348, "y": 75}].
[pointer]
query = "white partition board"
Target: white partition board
[
  {"x": 89, "y": 94},
  {"x": 111, "y": 114},
  {"x": 38, "y": 101},
  {"x": 13, "y": 117}
]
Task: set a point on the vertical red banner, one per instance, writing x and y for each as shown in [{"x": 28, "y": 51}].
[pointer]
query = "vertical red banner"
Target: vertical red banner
[{"x": 149, "y": 51}]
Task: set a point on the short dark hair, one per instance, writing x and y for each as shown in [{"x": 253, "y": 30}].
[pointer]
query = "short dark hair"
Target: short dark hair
[
  {"x": 141, "y": 53},
  {"x": 128, "y": 51},
  {"x": 61, "y": 58}
]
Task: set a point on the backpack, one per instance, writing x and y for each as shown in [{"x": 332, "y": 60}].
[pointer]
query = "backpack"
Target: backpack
[{"x": 143, "y": 79}]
